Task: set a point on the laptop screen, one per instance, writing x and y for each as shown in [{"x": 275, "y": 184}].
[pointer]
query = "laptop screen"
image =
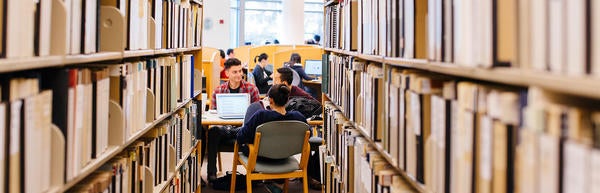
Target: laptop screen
[
  {"x": 313, "y": 67},
  {"x": 232, "y": 104}
]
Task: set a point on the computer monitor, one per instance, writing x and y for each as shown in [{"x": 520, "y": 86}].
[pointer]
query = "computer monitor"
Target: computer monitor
[{"x": 313, "y": 67}]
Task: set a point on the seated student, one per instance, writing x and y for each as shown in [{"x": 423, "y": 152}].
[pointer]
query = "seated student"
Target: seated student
[
  {"x": 261, "y": 75},
  {"x": 220, "y": 134},
  {"x": 278, "y": 97},
  {"x": 296, "y": 64}
]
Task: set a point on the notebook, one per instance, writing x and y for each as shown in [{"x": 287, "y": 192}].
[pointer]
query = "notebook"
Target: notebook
[{"x": 232, "y": 106}]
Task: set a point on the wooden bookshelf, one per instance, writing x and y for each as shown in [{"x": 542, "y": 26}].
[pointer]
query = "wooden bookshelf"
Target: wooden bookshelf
[
  {"x": 163, "y": 185},
  {"x": 115, "y": 150},
  {"x": 574, "y": 85},
  {"x": 19, "y": 64},
  {"x": 377, "y": 145}
]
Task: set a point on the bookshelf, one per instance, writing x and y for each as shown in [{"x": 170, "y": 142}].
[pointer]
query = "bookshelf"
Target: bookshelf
[
  {"x": 102, "y": 90},
  {"x": 487, "y": 88},
  {"x": 192, "y": 150},
  {"x": 113, "y": 151}
]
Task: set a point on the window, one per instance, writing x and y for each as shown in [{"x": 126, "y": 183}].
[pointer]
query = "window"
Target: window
[
  {"x": 313, "y": 18},
  {"x": 261, "y": 20}
]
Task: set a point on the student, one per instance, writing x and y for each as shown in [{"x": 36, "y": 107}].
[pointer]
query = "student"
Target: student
[
  {"x": 233, "y": 69},
  {"x": 220, "y": 135},
  {"x": 275, "y": 41},
  {"x": 223, "y": 75},
  {"x": 278, "y": 97},
  {"x": 230, "y": 53},
  {"x": 317, "y": 38},
  {"x": 261, "y": 75},
  {"x": 286, "y": 76}
]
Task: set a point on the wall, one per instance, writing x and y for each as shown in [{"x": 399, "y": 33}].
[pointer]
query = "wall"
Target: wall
[
  {"x": 293, "y": 19},
  {"x": 216, "y": 35}
]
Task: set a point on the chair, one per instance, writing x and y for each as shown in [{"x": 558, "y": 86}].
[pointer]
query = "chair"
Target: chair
[
  {"x": 280, "y": 164},
  {"x": 296, "y": 80},
  {"x": 255, "y": 106}
]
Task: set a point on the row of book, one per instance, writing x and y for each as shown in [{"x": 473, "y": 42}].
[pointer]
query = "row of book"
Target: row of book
[
  {"x": 352, "y": 163},
  {"x": 454, "y": 135},
  {"x": 151, "y": 163},
  {"x": 55, "y": 122},
  {"x": 55, "y": 27},
  {"x": 557, "y": 36}
]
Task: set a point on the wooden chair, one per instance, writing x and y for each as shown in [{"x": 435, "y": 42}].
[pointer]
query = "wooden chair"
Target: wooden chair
[{"x": 280, "y": 164}]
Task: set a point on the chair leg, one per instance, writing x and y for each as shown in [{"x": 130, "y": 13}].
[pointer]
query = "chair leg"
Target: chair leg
[
  {"x": 233, "y": 175},
  {"x": 305, "y": 183},
  {"x": 220, "y": 163},
  {"x": 286, "y": 184},
  {"x": 248, "y": 184}
]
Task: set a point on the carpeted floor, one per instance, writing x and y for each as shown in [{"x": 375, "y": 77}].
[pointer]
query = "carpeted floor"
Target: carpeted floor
[{"x": 295, "y": 185}]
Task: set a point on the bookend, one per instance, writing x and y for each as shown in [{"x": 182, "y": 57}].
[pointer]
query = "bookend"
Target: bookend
[
  {"x": 150, "y": 116},
  {"x": 116, "y": 124},
  {"x": 112, "y": 29}
]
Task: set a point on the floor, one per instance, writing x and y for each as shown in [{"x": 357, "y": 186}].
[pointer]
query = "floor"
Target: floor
[{"x": 295, "y": 186}]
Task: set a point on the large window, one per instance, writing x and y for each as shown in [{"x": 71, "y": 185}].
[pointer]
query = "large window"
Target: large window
[
  {"x": 260, "y": 21},
  {"x": 313, "y": 18}
]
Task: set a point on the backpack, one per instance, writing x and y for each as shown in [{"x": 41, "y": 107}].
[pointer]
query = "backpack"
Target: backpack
[
  {"x": 308, "y": 107},
  {"x": 224, "y": 183}
]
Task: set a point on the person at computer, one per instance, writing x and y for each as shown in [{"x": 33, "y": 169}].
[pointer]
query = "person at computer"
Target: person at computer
[
  {"x": 296, "y": 64},
  {"x": 261, "y": 75},
  {"x": 220, "y": 134}
]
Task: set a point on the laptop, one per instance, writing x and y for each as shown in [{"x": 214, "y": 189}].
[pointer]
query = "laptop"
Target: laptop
[
  {"x": 232, "y": 105},
  {"x": 313, "y": 67}
]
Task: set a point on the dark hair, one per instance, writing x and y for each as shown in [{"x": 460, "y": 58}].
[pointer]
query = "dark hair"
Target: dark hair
[
  {"x": 317, "y": 38},
  {"x": 222, "y": 53},
  {"x": 267, "y": 42},
  {"x": 232, "y": 62},
  {"x": 275, "y": 41},
  {"x": 260, "y": 57},
  {"x": 229, "y": 51},
  {"x": 295, "y": 58},
  {"x": 286, "y": 74},
  {"x": 280, "y": 94},
  {"x": 247, "y": 43},
  {"x": 309, "y": 42}
]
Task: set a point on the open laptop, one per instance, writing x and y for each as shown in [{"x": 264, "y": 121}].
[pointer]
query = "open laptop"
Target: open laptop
[{"x": 232, "y": 106}]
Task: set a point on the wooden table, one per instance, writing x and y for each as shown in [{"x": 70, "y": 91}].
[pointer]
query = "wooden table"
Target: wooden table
[{"x": 213, "y": 119}]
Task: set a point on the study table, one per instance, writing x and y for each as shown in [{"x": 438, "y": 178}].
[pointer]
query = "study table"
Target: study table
[
  {"x": 315, "y": 85},
  {"x": 213, "y": 119}
]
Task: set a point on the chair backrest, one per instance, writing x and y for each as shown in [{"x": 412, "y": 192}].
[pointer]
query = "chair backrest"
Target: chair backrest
[
  {"x": 255, "y": 106},
  {"x": 269, "y": 67},
  {"x": 296, "y": 80},
  {"x": 281, "y": 139}
]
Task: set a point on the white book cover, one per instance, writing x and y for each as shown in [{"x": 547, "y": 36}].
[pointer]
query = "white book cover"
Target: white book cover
[
  {"x": 134, "y": 24},
  {"x": 33, "y": 146},
  {"x": 484, "y": 48},
  {"x": 45, "y": 27},
  {"x": 20, "y": 25},
  {"x": 90, "y": 23},
  {"x": 556, "y": 34},
  {"x": 595, "y": 41},
  {"x": 158, "y": 19},
  {"x": 409, "y": 28},
  {"x": 594, "y": 171},
  {"x": 549, "y": 164},
  {"x": 76, "y": 17},
  {"x": 538, "y": 33},
  {"x": 463, "y": 33},
  {"x": 575, "y": 156},
  {"x": 576, "y": 37},
  {"x": 14, "y": 146},
  {"x": 142, "y": 15}
]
